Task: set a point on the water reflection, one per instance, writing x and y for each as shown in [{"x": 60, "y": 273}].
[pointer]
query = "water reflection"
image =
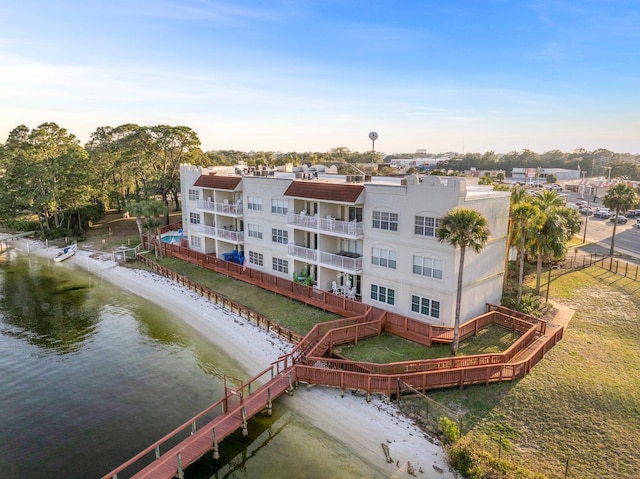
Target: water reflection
[{"x": 51, "y": 310}]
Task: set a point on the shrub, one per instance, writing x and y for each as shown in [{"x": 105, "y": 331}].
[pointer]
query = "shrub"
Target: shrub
[
  {"x": 462, "y": 461},
  {"x": 449, "y": 429}
]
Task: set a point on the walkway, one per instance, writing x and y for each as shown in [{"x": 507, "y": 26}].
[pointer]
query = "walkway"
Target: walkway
[{"x": 238, "y": 406}]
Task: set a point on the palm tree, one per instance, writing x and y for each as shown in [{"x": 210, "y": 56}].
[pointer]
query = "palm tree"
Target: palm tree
[
  {"x": 620, "y": 197},
  {"x": 559, "y": 226},
  {"x": 147, "y": 217},
  {"x": 463, "y": 228},
  {"x": 518, "y": 196},
  {"x": 527, "y": 219}
]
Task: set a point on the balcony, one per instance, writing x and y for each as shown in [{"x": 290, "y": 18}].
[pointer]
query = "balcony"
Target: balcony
[
  {"x": 231, "y": 236},
  {"x": 326, "y": 225},
  {"x": 221, "y": 208},
  {"x": 344, "y": 261}
]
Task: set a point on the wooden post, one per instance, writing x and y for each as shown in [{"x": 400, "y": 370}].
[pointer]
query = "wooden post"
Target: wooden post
[
  {"x": 216, "y": 453},
  {"x": 157, "y": 452},
  {"x": 269, "y": 405},
  {"x": 180, "y": 471},
  {"x": 245, "y": 430}
]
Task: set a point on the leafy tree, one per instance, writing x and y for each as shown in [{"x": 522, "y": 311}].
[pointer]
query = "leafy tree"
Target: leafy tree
[
  {"x": 619, "y": 198},
  {"x": 47, "y": 174},
  {"x": 462, "y": 228},
  {"x": 115, "y": 176}
]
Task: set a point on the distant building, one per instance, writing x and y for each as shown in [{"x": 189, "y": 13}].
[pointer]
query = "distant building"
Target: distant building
[
  {"x": 530, "y": 174},
  {"x": 372, "y": 237}
]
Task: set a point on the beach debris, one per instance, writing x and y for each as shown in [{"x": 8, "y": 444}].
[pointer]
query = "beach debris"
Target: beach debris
[
  {"x": 437, "y": 469},
  {"x": 410, "y": 469},
  {"x": 388, "y": 457}
]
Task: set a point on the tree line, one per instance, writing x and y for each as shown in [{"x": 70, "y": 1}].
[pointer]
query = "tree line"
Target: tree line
[{"x": 48, "y": 178}]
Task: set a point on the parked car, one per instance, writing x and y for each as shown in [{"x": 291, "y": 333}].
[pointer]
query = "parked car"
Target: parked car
[
  {"x": 554, "y": 187},
  {"x": 632, "y": 213},
  {"x": 602, "y": 213},
  {"x": 586, "y": 211},
  {"x": 622, "y": 220}
]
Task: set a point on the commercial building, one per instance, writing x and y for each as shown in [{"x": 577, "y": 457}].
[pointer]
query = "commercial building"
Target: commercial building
[{"x": 369, "y": 238}]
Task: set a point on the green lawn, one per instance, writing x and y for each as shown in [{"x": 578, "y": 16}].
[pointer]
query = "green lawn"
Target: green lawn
[
  {"x": 390, "y": 349},
  {"x": 290, "y": 313}
]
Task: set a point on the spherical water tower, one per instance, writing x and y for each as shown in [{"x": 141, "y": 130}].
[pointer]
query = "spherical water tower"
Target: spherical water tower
[{"x": 373, "y": 136}]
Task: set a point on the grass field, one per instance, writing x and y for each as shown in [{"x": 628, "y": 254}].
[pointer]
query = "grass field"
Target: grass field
[
  {"x": 581, "y": 403},
  {"x": 389, "y": 348}
]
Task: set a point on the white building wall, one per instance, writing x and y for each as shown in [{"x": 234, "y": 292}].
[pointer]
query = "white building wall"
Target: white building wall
[
  {"x": 267, "y": 188},
  {"x": 426, "y": 196},
  {"x": 188, "y": 176},
  {"x": 434, "y": 198}
]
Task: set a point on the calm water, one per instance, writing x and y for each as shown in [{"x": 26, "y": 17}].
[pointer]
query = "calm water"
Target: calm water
[{"x": 90, "y": 375}]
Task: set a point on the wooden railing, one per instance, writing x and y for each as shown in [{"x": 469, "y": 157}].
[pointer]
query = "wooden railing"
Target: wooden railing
[
  {"x": 351, "y": 375},
  {"x": 221, "y": 407},
  {"x": 439, "y": 373},
  {"x": 237, "y": 308}
]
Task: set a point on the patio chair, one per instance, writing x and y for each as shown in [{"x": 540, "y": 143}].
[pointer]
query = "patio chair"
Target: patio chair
[{"x": 334, "y": 286}]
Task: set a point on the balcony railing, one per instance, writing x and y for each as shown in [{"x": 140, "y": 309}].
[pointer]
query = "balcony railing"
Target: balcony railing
[
  {"x": 328, "y": 224},
  {"x": 345, "y": 262},
  {"x": 223, "y": 234},
  {"x": 222, "y": 208}
]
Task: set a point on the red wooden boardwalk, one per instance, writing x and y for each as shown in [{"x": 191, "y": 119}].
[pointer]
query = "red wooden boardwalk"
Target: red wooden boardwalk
[{"x": 239, "y": 405}]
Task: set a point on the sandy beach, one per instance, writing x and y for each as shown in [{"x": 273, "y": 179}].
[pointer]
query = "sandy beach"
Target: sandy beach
[{"x": 362, "y": 430}]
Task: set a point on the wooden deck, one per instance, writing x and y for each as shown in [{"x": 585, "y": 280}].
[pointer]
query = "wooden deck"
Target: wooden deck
[{"x": 311, "y": 361}]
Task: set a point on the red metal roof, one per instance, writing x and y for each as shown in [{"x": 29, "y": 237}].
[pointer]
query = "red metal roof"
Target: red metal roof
[
  {"x": 218, "y": 182},
  {"x": 325, "y": 191}
]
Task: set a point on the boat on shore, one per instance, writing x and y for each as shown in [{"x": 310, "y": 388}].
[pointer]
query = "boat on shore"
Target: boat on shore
[{"x": 65, "y": 253}]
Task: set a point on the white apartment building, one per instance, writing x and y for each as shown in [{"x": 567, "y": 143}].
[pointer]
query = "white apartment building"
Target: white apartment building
[{"x": 373, "y": 238}]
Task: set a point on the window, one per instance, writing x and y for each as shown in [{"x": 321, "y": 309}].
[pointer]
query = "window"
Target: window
[
  {"x": 279, "y": 207},
  {"x": 383, "y": 257},
  {"x": 280, "y": 265},
  {"x": 194, "y": 195},
  {"x": 256, "y": 258},
  {"x": 426, "y": 226},
  {"x": 195, "y": 241},
  {"x": 429, "y": 267},
  {"x": 194, "y": 218},
  {"x": 254, "y": 203},
  {"x": 383, "y": 220},
  {"x": 255, "y": 231},
  {"x": 426, "y": 306},
  {"x": 355, "y": 213},
  {"x": 382, "y": 294},
  {"x": 279, "y": 236}
]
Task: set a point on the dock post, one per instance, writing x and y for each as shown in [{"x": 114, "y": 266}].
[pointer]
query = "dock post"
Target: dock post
[
  {"x": 157, "y": 452},
  {"x": 269, "y": 406},
  {"x": 216, "y": 453},
  {"x": 291, "y": 383},
  {"x": 245, "y": 431},
  {"x": 180, "y": 471}
]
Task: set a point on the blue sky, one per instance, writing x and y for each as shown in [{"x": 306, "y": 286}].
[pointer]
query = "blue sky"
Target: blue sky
[{"x": 302, "y": 75}]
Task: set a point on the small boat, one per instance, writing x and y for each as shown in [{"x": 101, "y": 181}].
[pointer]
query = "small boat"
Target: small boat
[{"x": 65, "y": 253}]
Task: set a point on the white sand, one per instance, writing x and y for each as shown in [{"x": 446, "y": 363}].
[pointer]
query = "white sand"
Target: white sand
[{"x": 362, "y": 428}]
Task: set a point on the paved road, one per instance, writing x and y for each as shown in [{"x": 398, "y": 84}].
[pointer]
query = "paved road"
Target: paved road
[{"x": 600, "y": 230}]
